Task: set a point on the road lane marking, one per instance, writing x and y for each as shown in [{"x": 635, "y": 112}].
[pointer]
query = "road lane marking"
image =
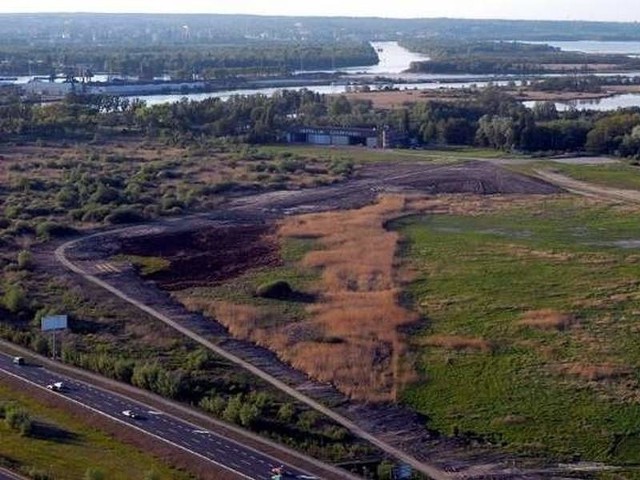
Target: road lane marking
[{"x": 130, "y": 425}]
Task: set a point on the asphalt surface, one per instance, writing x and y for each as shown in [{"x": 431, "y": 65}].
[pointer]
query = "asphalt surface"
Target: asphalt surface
[
  {"x": 207, "y": 445},
  {"x": 7, "y": 475}
]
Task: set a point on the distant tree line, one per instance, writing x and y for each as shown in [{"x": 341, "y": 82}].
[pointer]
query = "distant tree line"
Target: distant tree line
[{"x": 56, "y": 30}]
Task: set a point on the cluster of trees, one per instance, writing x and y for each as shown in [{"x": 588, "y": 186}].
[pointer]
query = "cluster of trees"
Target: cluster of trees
[
  {"x": 490, "y": 118},
  {"x": 482, "y": 57},
  {"x": 191, "y": 380},
  {"x": 575, "y": 83}
]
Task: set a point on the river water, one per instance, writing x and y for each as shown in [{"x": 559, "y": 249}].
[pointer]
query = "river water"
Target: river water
[
  {"x": 394, "y": 60},
  {"x": 603, "y": 105}
]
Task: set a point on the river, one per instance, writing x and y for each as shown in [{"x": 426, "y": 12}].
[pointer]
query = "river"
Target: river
[
  {"x": 603, "y": 105},
  {"x": 394, "y": 60}
]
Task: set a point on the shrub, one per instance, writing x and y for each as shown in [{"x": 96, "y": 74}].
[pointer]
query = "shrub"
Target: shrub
[
  {"x": 49, "y": 230},
  {"x": 14, "y": 299},
  {"x": 125, "y": 215},
  {"x": 278, "y": 289},
  {"x": 24, "y": 260},
  {"x": 94, "y": 474},
  {"x": 341, "y": 167},
  {"x": 95, "y": 214},
  {"x": 17, "y": 418},
  {"x": 215, "y": 405},
  {"x": 286, "y": 412}
]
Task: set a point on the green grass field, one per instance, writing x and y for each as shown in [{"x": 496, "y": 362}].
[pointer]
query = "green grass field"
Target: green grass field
[
  {"x": 567, "y": 393},
  {"x": 618, "y": 175},
  {"x": 73, "y": 447},
  {"x": 242, "y": 289},
  {"x": 615, "y": 175}
]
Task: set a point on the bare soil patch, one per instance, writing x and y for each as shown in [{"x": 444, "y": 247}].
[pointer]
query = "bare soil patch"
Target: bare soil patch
[{"x": 206, "y": 256}]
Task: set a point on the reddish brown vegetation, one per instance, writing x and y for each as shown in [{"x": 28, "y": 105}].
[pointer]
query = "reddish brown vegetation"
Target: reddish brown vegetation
[
  {"x": 457, "y": 342},
  {"x": 605, "y": 371},
  {"x": 547, "y": 319},
  {"x": 352, "y": 336}
]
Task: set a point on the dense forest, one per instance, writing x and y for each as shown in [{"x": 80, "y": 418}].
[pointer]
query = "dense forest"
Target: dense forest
[
  {"x": 184, "y": 61},
  {"x": 516, "y": 58},
  {"x": 492, "y": 118}
]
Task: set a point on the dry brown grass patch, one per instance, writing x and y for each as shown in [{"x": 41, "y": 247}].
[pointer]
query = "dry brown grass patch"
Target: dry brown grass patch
[
  {"x": 458, "y": 343},
  {"x": 547, "y": 319},
  {"x": 597, "y": 372},
  {"x": 353, "y": 334},
  {"x": 359, "y": 309}
]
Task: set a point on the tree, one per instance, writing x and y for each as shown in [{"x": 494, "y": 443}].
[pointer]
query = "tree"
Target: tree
[
  {"x": 608, "y": 133},
  {"x": 339, "y": 105},
  {"x": 545, "y": 111},
  {"x": 286, "y": 412},
  {"x": 248, "y": 414},
  {"x": 14, "y": 299},
  {"x": 232, "y": 411}
]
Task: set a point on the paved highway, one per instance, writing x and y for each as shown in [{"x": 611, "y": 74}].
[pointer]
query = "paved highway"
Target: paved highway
[
  {"x": 242, "y": 460},
  {"x": 8, "y": 475}
]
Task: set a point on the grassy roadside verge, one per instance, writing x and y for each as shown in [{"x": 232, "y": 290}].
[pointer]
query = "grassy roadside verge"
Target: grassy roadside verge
[
  {"x": 529, "y": 337},
  {"x": 64, "y": 446},
  {"x": 618, "y": 175}
]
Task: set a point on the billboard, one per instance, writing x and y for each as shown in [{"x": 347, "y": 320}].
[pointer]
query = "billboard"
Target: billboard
[{"x": 54, "y": 322}]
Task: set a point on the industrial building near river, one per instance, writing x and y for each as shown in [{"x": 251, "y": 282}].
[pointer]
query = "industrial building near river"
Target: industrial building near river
[{"x": 368, "y": 137}]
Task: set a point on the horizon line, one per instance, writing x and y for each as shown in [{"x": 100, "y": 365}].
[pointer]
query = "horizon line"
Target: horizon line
[{"x": 327, "y": 16}]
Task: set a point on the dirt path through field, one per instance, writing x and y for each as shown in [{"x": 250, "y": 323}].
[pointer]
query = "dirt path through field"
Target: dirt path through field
[
  {"x": 589, "y": 189},
  {"x": 392, "y": 428}
]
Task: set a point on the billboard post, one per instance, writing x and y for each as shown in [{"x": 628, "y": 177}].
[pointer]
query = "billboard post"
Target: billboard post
[{"x": 54, "y": 323}]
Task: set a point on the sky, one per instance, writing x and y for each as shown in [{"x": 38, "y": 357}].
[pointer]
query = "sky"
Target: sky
[{"x": 603, "y": 10}]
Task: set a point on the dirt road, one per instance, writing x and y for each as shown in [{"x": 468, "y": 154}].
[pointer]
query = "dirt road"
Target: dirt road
[
  {"x": 589, "y": 189},
  {"x": 391, "y": 428}
]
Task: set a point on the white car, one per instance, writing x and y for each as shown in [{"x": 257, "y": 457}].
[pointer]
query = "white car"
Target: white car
[
  {"x": 56, "y": 387},
  {"x": 130, "y": 413}
]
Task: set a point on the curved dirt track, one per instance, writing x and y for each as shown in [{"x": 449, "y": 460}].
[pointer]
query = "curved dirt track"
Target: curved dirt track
[
  {"x": 391, "y": 428},
  {"x": 589, "y": 189}
]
